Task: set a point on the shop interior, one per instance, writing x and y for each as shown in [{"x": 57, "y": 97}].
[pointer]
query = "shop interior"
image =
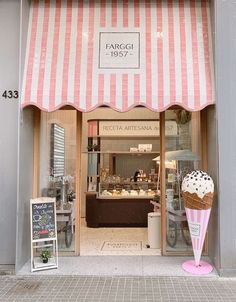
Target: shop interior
[{"x": 120, "y": 180}]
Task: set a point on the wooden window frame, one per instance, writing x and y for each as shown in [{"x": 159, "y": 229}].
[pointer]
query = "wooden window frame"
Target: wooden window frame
[
  {"x": 36, "y": 170},
  {"x": 204, "y": 166}
]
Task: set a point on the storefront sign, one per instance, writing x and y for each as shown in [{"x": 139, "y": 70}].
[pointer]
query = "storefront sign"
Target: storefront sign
[
  {"x": 43, "y": 220},
  {"x": 135, "y": 128},
  {"x": 119, "y": 50}
]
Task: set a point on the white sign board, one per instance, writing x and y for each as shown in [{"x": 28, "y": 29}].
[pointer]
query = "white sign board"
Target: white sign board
[
  {"x": 119, "y": 50},
  {"x": 194, "y": 229},
  {"x": 135, "y": 128},
  {"x": 43, "y": 233}
]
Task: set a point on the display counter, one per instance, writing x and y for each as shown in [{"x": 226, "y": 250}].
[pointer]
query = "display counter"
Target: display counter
[
  {"x": 117, "y": 211},
  {"x": 127, "y": 189}
]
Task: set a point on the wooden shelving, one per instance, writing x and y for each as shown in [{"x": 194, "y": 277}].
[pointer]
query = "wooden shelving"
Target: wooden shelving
[
  {"x": 124, "y": 136},
  {"x": 121, "y": 152}
]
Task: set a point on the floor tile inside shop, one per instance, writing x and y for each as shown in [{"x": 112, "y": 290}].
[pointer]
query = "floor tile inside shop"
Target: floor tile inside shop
[
  {"x": 109, "y": 241},
  {"x": 114, "y": 241}
]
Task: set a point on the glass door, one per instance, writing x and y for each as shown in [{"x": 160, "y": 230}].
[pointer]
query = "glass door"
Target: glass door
[{"x": 182, "y": 155}]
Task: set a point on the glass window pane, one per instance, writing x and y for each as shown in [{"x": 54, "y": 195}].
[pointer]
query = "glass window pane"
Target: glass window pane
[
  {"x": 182, "y": 155},
  {"x": 58, "y": 170}
]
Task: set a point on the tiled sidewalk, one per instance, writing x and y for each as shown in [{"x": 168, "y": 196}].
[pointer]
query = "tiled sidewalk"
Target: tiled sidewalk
[{"x": 108, "y": 289}]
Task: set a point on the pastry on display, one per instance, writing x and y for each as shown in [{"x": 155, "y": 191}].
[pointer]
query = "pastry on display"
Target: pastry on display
[
  {"x": 115, "y": 192},
  {"x": 133, "y": 193},
  {"x": 142, "y": 192},
  {"x": 124, "y": 192},
  {"x": 198, "y": 190},
  {"x": 150, "y": 192},
  {"x": 106, "y": 193}
]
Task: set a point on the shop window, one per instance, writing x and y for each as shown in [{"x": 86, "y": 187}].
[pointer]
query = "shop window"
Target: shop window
[
  {"x": 58, "y": 170},
  {"x": 182, "y": 154}
]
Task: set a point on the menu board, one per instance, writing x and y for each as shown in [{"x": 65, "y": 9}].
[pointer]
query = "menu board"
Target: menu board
[{"x": 43, "y": 220}]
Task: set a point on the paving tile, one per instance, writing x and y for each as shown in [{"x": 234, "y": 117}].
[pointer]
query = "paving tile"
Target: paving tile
[{"x": 102, "y": 289}]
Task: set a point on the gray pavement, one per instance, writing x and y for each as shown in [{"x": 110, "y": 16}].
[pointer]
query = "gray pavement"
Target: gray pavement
[
  {"x": 88, "y": 288},
  {"x": 143, "y": 266}
]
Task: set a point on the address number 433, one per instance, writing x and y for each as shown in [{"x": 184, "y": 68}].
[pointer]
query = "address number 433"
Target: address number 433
[{"x": 10, "y": 94}]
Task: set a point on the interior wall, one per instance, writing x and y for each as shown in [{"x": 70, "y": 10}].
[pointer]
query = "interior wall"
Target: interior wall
[
  {"x": 9, "y": 117},
  {"x": 127, "y": 165}
]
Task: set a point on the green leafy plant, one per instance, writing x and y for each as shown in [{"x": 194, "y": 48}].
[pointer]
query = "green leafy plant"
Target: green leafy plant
[
  {"x": 90, "y": 147},
  {"x": 96, "y": 147},
  {"x": 175, "y": 204},
  {"x": 182, "y": 116},
  {"x": 45, "y": 255},
  {"x": 156, "y": 198}
]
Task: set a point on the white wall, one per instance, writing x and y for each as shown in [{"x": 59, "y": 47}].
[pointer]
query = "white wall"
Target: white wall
[
  {"x": 25, "y": 156},
  {"x": 25, "y": 187},
  {"x": 9, "y": 75}
]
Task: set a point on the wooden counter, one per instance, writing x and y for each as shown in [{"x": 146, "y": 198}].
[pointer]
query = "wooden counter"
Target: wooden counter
[{"x": 117, "y": 212}]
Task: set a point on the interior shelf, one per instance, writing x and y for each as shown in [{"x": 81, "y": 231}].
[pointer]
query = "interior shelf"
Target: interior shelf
[
  {"x": 128, "y": 182},
  {"x": 121, "y": 152},
  {"x": 124, "y": 136},
  {"x": 39, "y": 264},
  {"x": 42, "y": 246}
]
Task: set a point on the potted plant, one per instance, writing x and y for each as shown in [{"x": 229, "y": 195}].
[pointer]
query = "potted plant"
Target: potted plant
[
  {"x": 182, "y": 116},
  {"x": 96, "y": 147},
  {"x": 90, "y": 147},
  {"x": 45, "y": 255}
]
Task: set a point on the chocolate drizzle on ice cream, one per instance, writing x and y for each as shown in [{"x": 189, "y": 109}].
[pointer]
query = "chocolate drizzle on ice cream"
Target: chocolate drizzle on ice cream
[
  {"x": 198, "y": 190},
  {"x": 198, "y": 182}
]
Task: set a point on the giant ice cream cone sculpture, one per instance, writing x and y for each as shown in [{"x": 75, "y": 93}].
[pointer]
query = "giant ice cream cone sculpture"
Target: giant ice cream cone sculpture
[{"x": 197, "y": 191}]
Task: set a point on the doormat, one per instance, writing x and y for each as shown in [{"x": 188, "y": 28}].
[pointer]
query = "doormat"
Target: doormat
[{"x": 121, "y": 246}]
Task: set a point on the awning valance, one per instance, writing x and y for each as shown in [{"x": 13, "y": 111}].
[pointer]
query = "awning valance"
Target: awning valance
[{"x": 118, "y": 53}]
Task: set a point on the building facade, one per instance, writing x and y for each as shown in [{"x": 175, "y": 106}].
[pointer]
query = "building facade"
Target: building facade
[{"x": 17, "y": 187}]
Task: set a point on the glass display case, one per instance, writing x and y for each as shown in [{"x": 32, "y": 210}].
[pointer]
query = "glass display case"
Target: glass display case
[{"x": 127, "y": 189}]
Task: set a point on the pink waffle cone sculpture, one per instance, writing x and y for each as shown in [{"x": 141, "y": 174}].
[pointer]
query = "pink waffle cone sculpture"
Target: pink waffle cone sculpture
[
  {"x": 197, "y": 222},
  {"x": 198, "y": 209}
]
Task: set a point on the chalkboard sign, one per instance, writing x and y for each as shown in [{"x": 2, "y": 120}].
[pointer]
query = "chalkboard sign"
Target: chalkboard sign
[{"x": 43, "y": 220}]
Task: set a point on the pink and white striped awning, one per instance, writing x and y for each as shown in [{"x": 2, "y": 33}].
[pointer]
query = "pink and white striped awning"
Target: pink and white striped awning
[{"x": 118, "y": 53}]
